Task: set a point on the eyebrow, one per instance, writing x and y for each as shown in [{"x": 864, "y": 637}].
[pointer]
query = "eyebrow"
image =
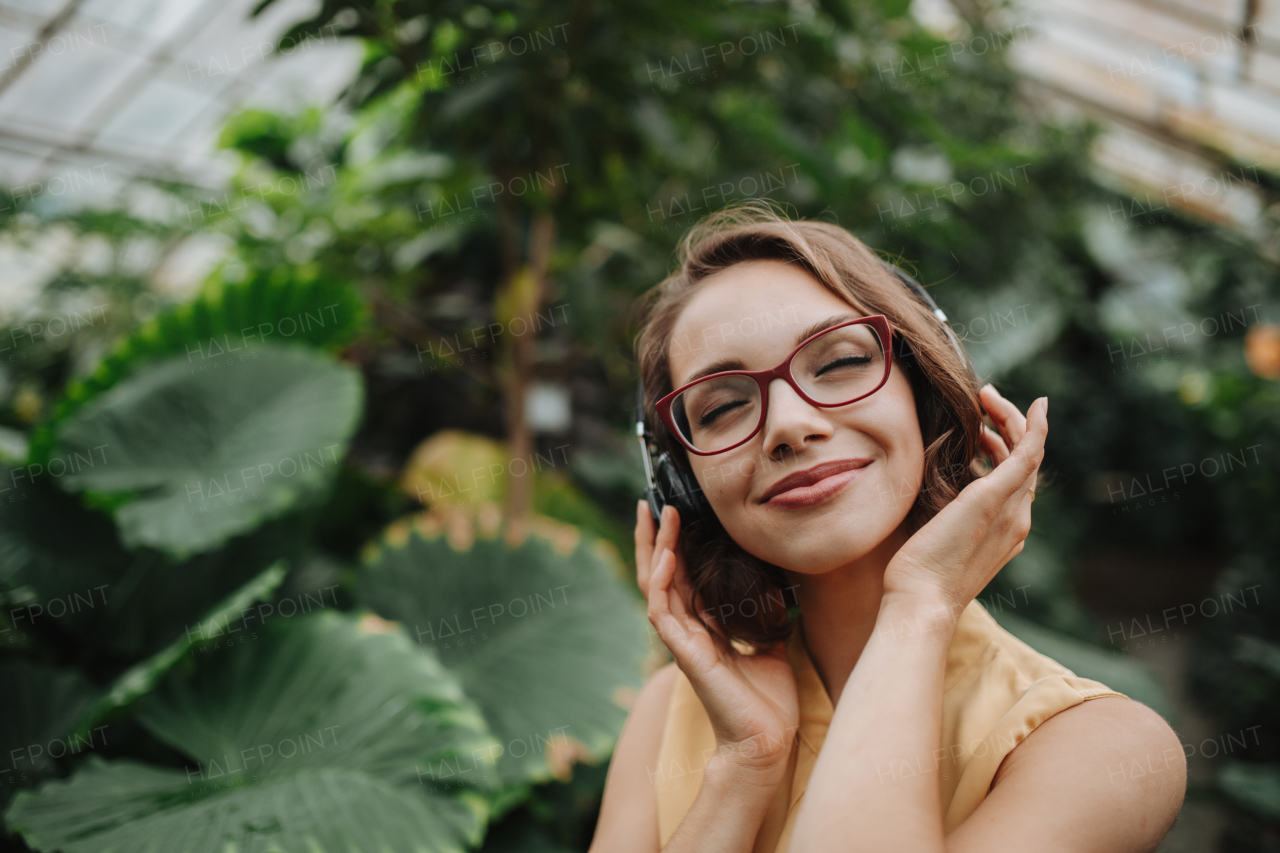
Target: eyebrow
[
  {"x": 715, "y": 367},
  {"x": 736, "y": 364},
  {"x": 822, "y": 325}
]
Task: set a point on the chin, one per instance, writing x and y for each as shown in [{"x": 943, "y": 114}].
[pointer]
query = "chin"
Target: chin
[
  {"x": 831, "y": 554},
  {"x": 816, "y": 546},
  {"x": 818, "y": 539}
]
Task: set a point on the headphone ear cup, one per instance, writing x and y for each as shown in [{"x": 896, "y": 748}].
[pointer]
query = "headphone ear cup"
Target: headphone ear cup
[{"x": 681, "y": 491}]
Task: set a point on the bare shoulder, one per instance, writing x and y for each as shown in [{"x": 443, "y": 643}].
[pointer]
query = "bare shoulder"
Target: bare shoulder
[
  {"x": 629, "y": 810},
  {"x": 1108, "y": 774},
  {"x": 657, "y": 689},
  {"x": 1131, "y": 745}
]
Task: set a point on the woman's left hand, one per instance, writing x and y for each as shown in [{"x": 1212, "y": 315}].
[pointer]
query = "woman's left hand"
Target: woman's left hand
[{"x": 952, "y": 557}]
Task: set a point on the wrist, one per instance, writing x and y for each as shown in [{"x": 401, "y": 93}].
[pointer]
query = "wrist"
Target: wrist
[
  {"x": 732, "y": 774},
  {"x": 905, "y": 614},
  {"x": 759, "y": 755}
]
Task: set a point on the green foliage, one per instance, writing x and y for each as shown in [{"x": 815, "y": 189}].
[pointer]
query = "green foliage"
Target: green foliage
[
  {"x": 38, "y": 560},
  {"x": 172, "y": 627},
  {"x": 42, "y": 705},
  {"x": 220, "y": 327},
  {"x": 603, "y": 129},
  {"x": 1256, "y": 787},
  {"x": 1133, "y": 679},
  {"x": 181, "y": 441},
  {"x": 143, "y": 677},
  {"x": 311, "y": 736},
  {"x": 556, "y": 496},
  {"x": 267, "y": 134},
  {"x": 540, "y": 634}
]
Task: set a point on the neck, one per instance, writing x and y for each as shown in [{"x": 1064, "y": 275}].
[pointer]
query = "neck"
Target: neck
[{"x": 839, "y": 608}]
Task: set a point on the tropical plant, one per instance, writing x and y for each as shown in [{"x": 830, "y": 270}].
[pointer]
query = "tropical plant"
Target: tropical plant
[
  {"x": 481, "y": 210},
  {"x": 190, "y": 659}
]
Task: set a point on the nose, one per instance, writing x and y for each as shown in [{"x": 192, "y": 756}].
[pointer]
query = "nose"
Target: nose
[{"x": 791, "y": 422}]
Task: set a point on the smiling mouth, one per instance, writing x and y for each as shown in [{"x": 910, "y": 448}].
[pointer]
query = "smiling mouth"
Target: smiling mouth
[{"x": 814, "y": 486}]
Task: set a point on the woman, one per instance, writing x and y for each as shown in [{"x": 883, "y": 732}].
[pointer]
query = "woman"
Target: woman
[{"x": 893, "y": 714}]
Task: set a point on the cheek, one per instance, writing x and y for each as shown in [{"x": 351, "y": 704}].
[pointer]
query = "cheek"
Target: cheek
[
  {"x": 724, "y": 481},
  {"x": 895, "y": 435},
  {"x": 905, "y": 469}
]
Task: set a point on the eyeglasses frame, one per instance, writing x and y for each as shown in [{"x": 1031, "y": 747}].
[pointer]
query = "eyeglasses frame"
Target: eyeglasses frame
[{"x": 879, "y": 324}]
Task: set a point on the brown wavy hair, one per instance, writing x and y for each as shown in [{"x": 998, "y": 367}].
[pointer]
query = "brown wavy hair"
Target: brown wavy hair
[{"x": 723, "y": 576}]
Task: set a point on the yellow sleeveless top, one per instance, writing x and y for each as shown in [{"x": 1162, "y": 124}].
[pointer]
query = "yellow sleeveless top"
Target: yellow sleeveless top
[{"x": 997, "y": 690}]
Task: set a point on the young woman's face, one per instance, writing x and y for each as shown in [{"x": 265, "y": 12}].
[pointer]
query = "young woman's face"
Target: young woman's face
[{"x": 865, "y": 461}]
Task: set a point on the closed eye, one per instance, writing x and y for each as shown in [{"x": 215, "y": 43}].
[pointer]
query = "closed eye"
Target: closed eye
[
  {"x": 846, "y": 361},
  {"x": 720, "y": 410}
]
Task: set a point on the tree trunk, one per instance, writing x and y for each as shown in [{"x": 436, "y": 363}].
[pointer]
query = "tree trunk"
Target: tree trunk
[{"x": 525, "y": 292}]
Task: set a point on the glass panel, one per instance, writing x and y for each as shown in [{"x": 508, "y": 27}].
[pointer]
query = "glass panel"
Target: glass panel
[
  {"x": 60, "y": 92},
  {"x": 158, "y": 19},
  {"x": 313, "y": 73},
  {"x": 13, "y": 44},
  {"x": 155, "y": 116},
  {"x": 16, "y": 171},
  {"x": 42, "y": 10},
  {"x": 235, "y": 46}
]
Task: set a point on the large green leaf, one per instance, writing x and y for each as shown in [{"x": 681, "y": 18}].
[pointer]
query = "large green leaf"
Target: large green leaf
[
  {"x": 144, "y": 675},
  {"x": 286, "y": 305},
  {"x": 156, "y": 601},
  {"x": 321, "y": 734},
  {"x": 40, "y": 562},
  {"x": 40, "y": 708},
  {"x": 119, "y": 606},
  {"x": 542, "y": 634},
  {"x": 198, "y": 456}
]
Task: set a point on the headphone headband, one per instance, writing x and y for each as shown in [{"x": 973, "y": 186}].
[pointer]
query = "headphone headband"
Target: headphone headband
[{"x": 917, "y": 289}]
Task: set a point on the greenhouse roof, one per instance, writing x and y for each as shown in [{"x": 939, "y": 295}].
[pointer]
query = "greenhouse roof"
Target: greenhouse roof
[
  {"x": 1188, "y": 92},
  {"x": 139, "y": 87}
]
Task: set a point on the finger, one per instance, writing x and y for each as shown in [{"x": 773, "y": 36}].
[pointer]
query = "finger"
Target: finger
[
  {"x": 1011, "y": 424},
  {"x": 1024, "y": 462},
  {"x": 1042, "y": 433},
  {"x": 995, "y": 404},
  {"x": 644, "y": 545},
  {"x": 995, "y": 446},
  {"x": 659, "y": 602},
  {"x": 674, "y": 624},
  {"x": 1005, "y": 415},
  {"x": 668, "y": 531},
  {"x": 678, "y": 586}
]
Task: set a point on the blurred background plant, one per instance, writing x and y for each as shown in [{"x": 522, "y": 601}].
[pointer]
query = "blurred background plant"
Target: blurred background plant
[{"x": 417, "y": 299}]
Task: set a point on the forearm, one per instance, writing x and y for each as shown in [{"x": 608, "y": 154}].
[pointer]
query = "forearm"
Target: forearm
[
  {"x": 875, "y": 784},
  {"x": 728, "y": 812}
]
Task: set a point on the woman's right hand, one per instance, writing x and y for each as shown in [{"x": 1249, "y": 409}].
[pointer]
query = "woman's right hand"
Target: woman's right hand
[{"x": 750, "y": 699}]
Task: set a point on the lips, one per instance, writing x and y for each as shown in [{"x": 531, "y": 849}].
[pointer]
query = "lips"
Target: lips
[{"x": 814, "y": 485}]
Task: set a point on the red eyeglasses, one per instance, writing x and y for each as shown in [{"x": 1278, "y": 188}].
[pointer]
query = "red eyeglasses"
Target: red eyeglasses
[{"x": 835, "y": 367}]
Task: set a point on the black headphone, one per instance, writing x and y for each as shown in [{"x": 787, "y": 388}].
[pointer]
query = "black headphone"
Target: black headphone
[{"x": 666, "y": 483}]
